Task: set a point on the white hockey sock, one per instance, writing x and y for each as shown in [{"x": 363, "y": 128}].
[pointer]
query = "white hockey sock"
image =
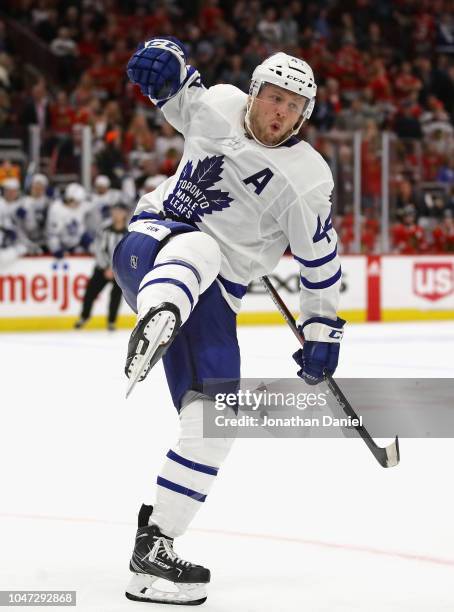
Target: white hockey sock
[
  {"x": 184, "y": 268},
  {"x": 188, "y": 472}
]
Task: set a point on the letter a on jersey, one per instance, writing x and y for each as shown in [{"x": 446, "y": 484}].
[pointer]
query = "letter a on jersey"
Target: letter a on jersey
[{"x": 260, "y": 180}]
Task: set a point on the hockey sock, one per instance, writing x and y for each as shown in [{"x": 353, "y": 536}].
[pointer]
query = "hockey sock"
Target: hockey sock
[
  {"x": 189, "y": 472},
  {"x": 184, "y": 268}
]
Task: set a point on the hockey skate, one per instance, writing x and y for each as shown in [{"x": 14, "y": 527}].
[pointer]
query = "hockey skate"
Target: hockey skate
[
  {"x": 149, "y": 341},
  {"x": 159, "y": 575},
  {"x": 80, "y": 323}
]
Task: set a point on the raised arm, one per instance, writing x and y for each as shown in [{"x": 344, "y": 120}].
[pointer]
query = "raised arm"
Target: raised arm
[{"x": 159, "y": 68}]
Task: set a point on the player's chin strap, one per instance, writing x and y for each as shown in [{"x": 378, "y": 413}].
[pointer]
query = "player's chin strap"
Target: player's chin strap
[{"x": 250, "y": 131}]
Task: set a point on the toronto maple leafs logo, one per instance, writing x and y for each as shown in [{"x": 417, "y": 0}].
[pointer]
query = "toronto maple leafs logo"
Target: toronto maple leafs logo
[{"x": 192, "y": 197}]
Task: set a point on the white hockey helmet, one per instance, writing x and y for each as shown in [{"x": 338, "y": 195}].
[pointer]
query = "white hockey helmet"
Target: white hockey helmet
[
  {"x": 152, "y": 182},
  {"x": 40, "y": 178},
  {"x": 102, "y": 181},
  {"x": 75, "y": 192},
  {"x": 11, "y": 183},
  {"x": 290, "y": 73}
]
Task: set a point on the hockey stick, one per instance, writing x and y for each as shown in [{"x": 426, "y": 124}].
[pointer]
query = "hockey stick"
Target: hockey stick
[{"x": 388, "y": 456}]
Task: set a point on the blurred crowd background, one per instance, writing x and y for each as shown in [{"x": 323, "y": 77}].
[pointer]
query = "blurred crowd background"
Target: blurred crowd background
[{"x": 380, "y": 65}]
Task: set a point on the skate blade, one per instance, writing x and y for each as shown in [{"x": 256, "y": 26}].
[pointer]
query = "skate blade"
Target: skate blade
[
  {"x": 152, "y": 589},
  {"x": 159, "y": 330}
]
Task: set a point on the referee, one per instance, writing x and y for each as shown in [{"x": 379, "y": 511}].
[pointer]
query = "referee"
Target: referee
[{"x": 105, "y": 244}]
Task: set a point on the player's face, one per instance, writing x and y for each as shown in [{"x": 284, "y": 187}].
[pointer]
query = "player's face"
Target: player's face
[
  {"x": 119, "y": 217},
  {"x": 37, "y": 190},
  {"x": 274, "y": 113},
  {"x": 11, "y": 194}
]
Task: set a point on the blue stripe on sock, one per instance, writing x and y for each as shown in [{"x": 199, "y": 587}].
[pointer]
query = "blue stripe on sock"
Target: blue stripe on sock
[
  {"x": 198, "y": 467},
  {"x": 173, "y": 486},
  {"x": 171, "y": 281},
  {"x": 322, "y": 284},
  {"x": 180, "y": 262}
]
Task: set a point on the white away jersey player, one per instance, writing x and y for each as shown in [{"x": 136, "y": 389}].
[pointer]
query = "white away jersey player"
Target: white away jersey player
[
  {"x": 66, "y": 225},
  {"x": 253, "y": 200}
]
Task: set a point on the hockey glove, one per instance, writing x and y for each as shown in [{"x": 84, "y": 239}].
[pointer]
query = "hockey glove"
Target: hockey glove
[
  {"x": 158, "y": 67},
  {"x": 21, "y": 213},
  {"x": 59, "y": 254},
  {"x": 85, "y": 240},
  {"x": 320, "y": 351}
]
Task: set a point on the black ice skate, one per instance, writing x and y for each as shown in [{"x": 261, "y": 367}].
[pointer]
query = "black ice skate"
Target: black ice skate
[
  {"x": 149, "y": 340},
  {"x": 159, "y": 575},
  {"x": 80, "y": 323}
]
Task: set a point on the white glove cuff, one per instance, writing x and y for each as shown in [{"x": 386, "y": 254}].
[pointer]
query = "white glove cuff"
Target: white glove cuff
[{"x": 320, "y": 332}]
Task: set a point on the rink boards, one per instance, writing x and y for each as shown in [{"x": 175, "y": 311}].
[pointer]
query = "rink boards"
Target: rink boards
[{"x": 42, "y": 293}]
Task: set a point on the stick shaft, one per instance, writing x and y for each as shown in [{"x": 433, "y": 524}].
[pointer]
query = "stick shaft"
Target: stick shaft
[{"x": 381, "y": 454}]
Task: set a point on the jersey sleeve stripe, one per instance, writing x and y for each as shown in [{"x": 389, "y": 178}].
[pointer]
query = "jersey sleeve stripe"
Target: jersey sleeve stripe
[
  {"x": 315, "y": 263},
  {"x": 322, "y": 284}
]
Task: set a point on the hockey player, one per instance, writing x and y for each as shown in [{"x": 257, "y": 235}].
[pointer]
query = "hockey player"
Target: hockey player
[
  {"x": 245, "y": 188},
  {"x": 12, "y": 199},
  {"x": 102, "y": 200},
  {"x": 66, "y": 223},
  {"x": 13, "y": 239},
  {"x": 32, "y": 212}
]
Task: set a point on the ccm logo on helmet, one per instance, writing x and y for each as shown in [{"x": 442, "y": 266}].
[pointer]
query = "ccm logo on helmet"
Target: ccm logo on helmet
[{"x": 294, "y": 78}]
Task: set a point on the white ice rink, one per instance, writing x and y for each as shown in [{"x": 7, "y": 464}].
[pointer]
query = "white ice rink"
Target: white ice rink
[{"x": 291, "y": 525}]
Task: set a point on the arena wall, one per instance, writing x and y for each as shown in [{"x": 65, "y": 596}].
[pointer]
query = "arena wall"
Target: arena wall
[{"x": 41, "y": 293}]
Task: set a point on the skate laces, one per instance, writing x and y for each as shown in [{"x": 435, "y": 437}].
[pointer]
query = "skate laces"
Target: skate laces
[{"x": 168, "y": 552}]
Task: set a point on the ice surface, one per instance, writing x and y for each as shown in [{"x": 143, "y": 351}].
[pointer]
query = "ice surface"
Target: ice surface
[{"x": 313, "y": 525}]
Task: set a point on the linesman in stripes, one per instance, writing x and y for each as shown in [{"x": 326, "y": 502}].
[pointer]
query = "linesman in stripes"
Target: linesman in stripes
[{"x": 105, "y": 244}]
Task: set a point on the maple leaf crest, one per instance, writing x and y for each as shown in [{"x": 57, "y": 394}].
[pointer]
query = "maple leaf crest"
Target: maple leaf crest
[{"x": 192, "y": 197}]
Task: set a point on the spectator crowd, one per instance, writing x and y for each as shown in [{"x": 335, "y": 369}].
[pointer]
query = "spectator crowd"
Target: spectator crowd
[{"x": 380, "y": 65}]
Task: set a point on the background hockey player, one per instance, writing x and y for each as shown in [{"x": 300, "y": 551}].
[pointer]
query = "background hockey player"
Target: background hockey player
[
  {"x": 102, "y": 199},
  {"x": 67, "y": 223},
  {"x": 245, "y": 188},
  {"x": 32, "y": 212}
]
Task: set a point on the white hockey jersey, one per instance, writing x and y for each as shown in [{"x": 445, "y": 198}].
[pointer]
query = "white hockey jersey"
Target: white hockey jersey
[
  {"x": 32, "y": 217},
  {"x": 66, "y": 225},
  {"x": 254, "y": 200},
  {"x": 101, "y": 205},
  {"x": 8, "y": 210}
]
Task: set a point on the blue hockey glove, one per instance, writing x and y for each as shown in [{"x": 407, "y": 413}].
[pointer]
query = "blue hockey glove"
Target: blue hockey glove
[
  {"x": 158, "y": 67},
  {"x": 321, "y": 348},
  {"x": 21, "y": 213},
  {"x": 85, "y": 240},
  {"x": 59, "y": 254}
]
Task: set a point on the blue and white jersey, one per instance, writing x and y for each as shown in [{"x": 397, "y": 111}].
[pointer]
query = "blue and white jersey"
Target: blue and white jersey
[
  {"x": 8, "y": 210},
  {"x": 31, "y": 217},
  {"x": 101, "y": 206},
  {"x": 66, "y": 225},
  {"x": 253, "y": 200}
]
